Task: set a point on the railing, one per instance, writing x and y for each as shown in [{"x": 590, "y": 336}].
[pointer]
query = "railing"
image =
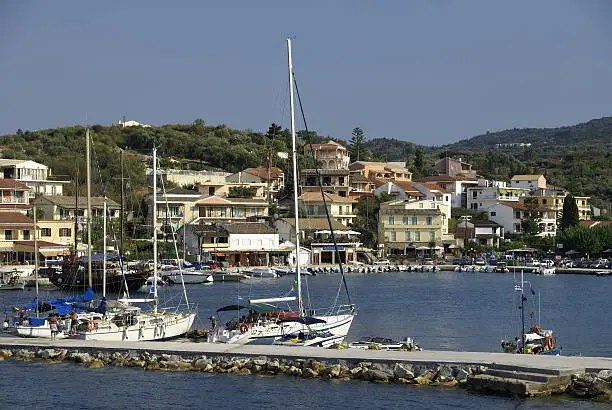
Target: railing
[{"x": 333, "y": 311}]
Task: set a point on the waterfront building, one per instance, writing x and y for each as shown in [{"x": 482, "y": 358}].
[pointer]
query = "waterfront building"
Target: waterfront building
[
  {"x": 66, "y": 207},
  {"x": 206, "y": 181},
  {"x": 475, "y": 232},
  {"x": 333, "y": 170},
  {"x": 315, "y": 233},
  {"x": 509, "y": 215},
  {"x": 340, "y": 208},
  {"x": 406, "y": 225},
  {"x": 554, "y": 197},
  {"x": 272, "y": 179},
  {"x": 36, "y": 176}
]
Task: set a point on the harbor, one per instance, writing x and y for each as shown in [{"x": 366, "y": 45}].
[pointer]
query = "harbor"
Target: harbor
[{"x": 521, "y": 375}]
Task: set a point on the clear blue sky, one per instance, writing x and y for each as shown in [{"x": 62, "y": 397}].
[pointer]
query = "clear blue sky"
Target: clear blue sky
[{"x": 431, "y": 72}]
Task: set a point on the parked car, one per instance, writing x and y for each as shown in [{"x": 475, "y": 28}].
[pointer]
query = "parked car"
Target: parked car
[
  {"x": 382, "y": 262},
  {"x": 480, "y": 261}
]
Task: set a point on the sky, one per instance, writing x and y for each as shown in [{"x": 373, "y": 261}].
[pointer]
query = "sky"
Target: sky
[{"x": 430, "y": 72}]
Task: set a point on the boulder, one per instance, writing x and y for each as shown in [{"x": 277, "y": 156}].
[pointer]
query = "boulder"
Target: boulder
[
  {"x": 5, "y": 353},
  {"x": 403, "y": 371},
  {"x": 605, "y": 375},
  {"x": 335, "y": 370},
  {"x": 318, "y": 367},
  {"x": 461, "y": 375},
  {"x": 380, "y": 376},
  {"x": 95, "y": 364},
  {"x": 309, "y": 373}
]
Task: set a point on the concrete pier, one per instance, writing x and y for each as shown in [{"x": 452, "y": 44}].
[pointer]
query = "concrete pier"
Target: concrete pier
[{"x": 522, "y": 375}]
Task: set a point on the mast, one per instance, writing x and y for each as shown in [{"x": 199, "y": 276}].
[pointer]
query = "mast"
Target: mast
[
  {"x": 522, "y": 313},
  {"x": 154, "y": 218},
  {"x": 121, "y": 216},
  {"x": 295, "y": 181},
  {"x": 76, "y": 211},
  {"x": 104, "y": 252},
  {"x": 88, "y": 161},
  {"x": 36, "y": 257}
]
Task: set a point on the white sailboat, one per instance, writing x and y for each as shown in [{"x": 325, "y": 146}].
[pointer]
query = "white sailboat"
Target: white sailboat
[
  {"x": 127, "y": 321},
  {"x": 266, "y": 323}
]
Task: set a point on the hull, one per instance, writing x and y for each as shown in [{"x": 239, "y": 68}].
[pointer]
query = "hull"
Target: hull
[
  {"x": 190, "y": 278},
  {"x": 67, "y": 281},
  {"x": 265, "y": 333},
  {"x": 319, "y": 341},
  {"x": 16, "y": 286},
  {"x": 140, "y": 327},
  {"x": 43, "y": 331}
]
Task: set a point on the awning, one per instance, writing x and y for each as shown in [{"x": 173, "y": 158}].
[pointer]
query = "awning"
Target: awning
[{"x": 53, "y": 252}]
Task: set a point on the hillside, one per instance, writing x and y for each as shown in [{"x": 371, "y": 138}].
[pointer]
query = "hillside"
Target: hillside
[{"x": 576, "y": 157}]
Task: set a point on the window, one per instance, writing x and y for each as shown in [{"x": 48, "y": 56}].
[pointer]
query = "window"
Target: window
[
  {"x": 405, "y": 220},
  {"x": 415, "y": 220},
  {"x": 45, "y": 232},
  {"x": 421, "y": 205},
  {"x": 393, "y": 236},
  {"x": 65, "y": 232},
  {"x": 391, "y": 220},
  {"x": 26, "y": 235},
  {"x": 407, "y": 236},
  {"x": 8, "y": 235},
  {"x": 432, "y": 236},
  {"x": 493, "y": 213},
  {"x": 428, "y": 220},
  {"x": 417, "y": 236},
  {"x": 543, "y": 201}
]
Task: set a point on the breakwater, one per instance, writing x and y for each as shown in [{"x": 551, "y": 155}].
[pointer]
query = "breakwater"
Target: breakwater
[{"x": 520, "y": 375}]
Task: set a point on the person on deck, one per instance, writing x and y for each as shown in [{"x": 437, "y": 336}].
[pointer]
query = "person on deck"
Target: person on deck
[
  {"x": 53, "y": 325},
  {"x": 73, "y": 323}
]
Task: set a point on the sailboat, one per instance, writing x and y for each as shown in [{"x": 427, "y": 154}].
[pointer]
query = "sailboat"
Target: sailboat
[
  {"x": 128, "y": 321},
  {"x": 297, "y": 326},
  {"x": 534, "y": 341}
]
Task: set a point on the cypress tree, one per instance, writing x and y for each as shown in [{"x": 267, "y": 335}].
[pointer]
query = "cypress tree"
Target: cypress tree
[{"x": 570, "y": 216}]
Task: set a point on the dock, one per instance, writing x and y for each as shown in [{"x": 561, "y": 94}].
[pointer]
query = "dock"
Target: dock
[{"x": 500, "y": 373}]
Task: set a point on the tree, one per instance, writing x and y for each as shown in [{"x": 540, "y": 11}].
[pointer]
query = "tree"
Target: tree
[
  {"x": 530, "y": 224},
  {"x": 274, "y": 131},
  {"x": 569, "y": 217},
  {"x": 356, "y": 144}
]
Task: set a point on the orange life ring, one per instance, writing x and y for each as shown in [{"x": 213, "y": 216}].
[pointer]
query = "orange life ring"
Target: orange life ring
[
  {"x": 91, "y": 325},
  {"x": 243, "y": 328}
]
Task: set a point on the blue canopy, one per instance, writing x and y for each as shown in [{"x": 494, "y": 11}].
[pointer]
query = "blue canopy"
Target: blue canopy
[
  {"x": 63, "y": 305},
  {"x": 99, "y": 257}
]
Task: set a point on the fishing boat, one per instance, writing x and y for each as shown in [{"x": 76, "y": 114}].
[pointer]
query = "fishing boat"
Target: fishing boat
[
  {"x": 534, "y": 341},
  {"x": 177, "y": 275},
  {"x": 134, "y": 319},
  {"x": 279, "y": 319}
]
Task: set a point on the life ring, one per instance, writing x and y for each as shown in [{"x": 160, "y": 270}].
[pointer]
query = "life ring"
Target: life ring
[
  {"x": 91, "y": 325},
  {"x": 243, "y": 328}
]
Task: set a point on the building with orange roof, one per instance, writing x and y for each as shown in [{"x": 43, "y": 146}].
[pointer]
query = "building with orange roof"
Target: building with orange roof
[{"x": 313, "y": 204}]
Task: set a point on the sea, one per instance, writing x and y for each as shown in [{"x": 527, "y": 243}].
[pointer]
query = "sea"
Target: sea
[{"x": 459, "y": 311}]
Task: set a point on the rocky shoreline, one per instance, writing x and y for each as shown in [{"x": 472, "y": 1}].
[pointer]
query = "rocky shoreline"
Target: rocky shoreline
[{"x": 596, "y": 385}]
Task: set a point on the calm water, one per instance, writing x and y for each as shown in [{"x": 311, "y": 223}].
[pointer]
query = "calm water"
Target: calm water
[{"x": 448, "y": 310}]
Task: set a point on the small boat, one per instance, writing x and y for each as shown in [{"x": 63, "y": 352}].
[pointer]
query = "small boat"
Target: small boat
[
  {"x": 187, "y": 276},
  {"x": 502, "y": 267},
  {"x": 535, "y": 341},
  {"x": 11, "y": 280},
  {"x": 261, "y": 273},
  {"x": 148, "y": 286},
  {"x": 380, "y": 343},
  {"x": 603, "y": 273},
  {"x": 546, "y": 271}
]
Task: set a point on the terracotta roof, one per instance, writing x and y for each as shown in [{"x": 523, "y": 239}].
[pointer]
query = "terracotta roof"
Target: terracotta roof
[
  {"x": 317, "y": 197},
  {"x": 435, "y": 187},
  {"x": 446, "y": 178},
  {"x": 262, "y": 173},
  {"x": 525, "y": 177},
  {"x": 329, "y": 144},
  {"x": 14, "y": 206},
  {"x": 68, "y": 202},
  {"x": 408, "y": 187},
  {"x": 359, "y": 178},
  {"x": 257, "y": 228},
  {"x": 316, "y": 224},
  {"x": 16, "y": 218},
  {"x": 13, "y": 184},
  {"x": 217, "y": 200},
  {"x": 476, "y": 222},
  {"x": 42, "y": 244}
]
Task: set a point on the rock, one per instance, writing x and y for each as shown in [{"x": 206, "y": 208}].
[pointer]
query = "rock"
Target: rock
[
  {"x": 605, "y": 375},
  {"x": 200, "y": 364},
  {"x": 48, "y": 354},
  {"x": 273, "y": 366},
  {"x": 419, "y": 370},
  {"x": 601, "y": 387},
  {"x": 450, "y": 383},
  {"x": 95, "y": 364},
  {"x": 260, "y": 362},
  {"x": 81, "y": 357},
  {"x": 318, "y": 367},
  {"x": 461, "y": 375},
  {"x": 401, "y": 380},
  {"x": 372, "y": 375},
  {"x": 26, "y": 355},
  {"x": 4, "y": 353},
  {"x": 335, "y": 370},
  {"x": 403, "y": 371},
  {"x": 245, "y": 371},
  {"x": 422, "y": 380},
  {"x": 135, "y": 363},
  {"x": 309, "y": 373}
]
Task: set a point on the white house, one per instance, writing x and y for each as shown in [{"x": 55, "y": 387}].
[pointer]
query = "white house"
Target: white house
[
  {"x": 455, "y": 185},
  {"x": 509, "y": 215}
]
